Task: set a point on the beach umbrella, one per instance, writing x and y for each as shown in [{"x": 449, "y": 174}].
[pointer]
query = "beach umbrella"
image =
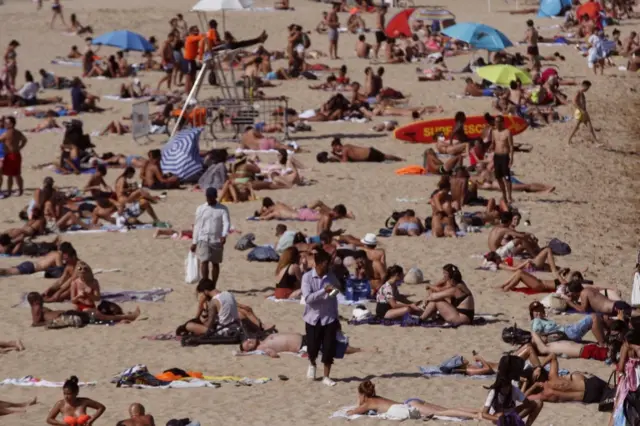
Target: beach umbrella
[
  {"x": 503, "y": 74},
  {"x": 592, "y": 9},
  {"x": 479, "y": 36},
  {"x": 204, "y": 6},
  {"x": 125, "y": 40},
  {"x": 181, "y": 155},
  {"x": 400, "y": 23}
]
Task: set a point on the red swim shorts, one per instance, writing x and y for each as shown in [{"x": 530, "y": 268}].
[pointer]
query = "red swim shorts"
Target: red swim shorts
[
  {"x": 12, "y": 165},
  {"x": 593, "y": 351}
]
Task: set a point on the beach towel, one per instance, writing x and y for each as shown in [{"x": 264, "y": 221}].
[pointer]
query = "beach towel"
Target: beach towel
[
  {"x": 341, "y": 300},
  {"x": 66, "y": 62},
  {"x": 82, "y": 172},
  {"x": 111, "y": 228},
  {"x": 434, "y": 371},
  {"x": 257, "y": 219},
  {"x": 411, "y": 321},
  {"x": 261, "y": 151},
  {"x": 300, "y": 354},
  {"x": 458, "y": 234},
  {"x": 139, "y": 377},
  {"x": 163, "y": 337},
  {"x": 154, "y": 295},
  {"x": 342, "y": 414},
  {"x": 121, "y": 99},
  {"x": 530, "y": 291},
  {"x": 31, "y": 381}
]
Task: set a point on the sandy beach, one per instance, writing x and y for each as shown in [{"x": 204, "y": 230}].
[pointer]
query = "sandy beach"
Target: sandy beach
[{"x": 594, "y": 209}]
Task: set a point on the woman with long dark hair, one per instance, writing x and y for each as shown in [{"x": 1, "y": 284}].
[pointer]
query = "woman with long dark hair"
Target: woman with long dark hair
[{"x": 452, "y": 299}]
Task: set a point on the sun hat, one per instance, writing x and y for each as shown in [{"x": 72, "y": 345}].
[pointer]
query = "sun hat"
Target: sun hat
[{"x": 369, "y": 240}]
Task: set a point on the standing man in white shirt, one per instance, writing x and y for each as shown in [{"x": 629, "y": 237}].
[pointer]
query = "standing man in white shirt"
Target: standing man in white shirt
[{"x": 210, "y": 231}]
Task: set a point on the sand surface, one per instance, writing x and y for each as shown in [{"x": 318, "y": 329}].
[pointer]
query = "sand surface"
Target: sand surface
[{"x": 594, "y": 209}]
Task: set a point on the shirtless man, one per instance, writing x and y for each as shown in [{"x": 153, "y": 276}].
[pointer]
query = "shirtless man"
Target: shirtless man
[
  {"x": 41, "y": 316},
  {"x": 252, "y": 139},
  {"x": 408, "y": 225},
  {"x": 363, "y": 49},
  {"x": 14, "y": 141},
  {"x": 277, "y": 343},
  {"x": 353, "y": 153},
  {"x": 576, "y": 387},
  {"x": 152, "y": 176},
  {"x": 327, "y": 217},
  {"x": 96, "y": 183},
  {"x": 472, "y": 88},
  {"x": 333, "y": 25},
  {"x": 521, "y": 241},
  {"x": 630, "y": 45},
  {"x": 589, "y": 299},
  {"x": 376, "y": 256},
  {"x": 502, "y": 147},
  {"x": 138, "y": 417},
  {"x": 168, "y": 61},
  {"x": 380, "y": 26},
  {"x": 581, "y": 115},
  {"x": 60, "y": 291},
  {"x": 51, "y": 260},
  {"x": 531, "y": 38}
]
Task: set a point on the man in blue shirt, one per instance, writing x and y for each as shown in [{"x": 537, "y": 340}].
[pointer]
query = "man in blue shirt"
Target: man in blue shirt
[
  {"x": 81, "y": 101},
  {"x": 319, "y": 290}
]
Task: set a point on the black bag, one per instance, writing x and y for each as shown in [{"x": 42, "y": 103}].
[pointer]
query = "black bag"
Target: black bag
[
  {"x": 516, "y": 336},
  {"x": 559, "y": 248},
  {"x": 213, "y": 80},
  {"x": 631, "y": 408},
  {"x": 609, "y": 395}
]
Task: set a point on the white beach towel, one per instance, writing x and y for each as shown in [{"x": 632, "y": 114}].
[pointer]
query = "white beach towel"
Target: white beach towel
[
  {"x": 121, "y": 99},
  {"x": 31, "y": 381},
  {"x": 179, "y": 384},
  {"x": 299, "y": 354},
  {"x": 258, "y": 151},
  {"x": 342, "y": 414}
]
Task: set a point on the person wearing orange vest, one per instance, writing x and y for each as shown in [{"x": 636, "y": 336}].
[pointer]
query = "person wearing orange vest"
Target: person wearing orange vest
[{"x": 192, "y": 46}]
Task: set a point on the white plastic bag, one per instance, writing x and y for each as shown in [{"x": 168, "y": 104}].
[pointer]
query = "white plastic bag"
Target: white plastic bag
[{"x": 191, "y": 268}]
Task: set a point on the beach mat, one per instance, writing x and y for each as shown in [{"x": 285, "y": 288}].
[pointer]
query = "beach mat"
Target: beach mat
[
  {"x": 154, "y": 295},
  {"x": 299, "y": 354},
  {"x": 30, "y": 381},
  {"x": 434, "y": 371},
  {"x": 342, "y": 414},
  {"x": 341, "y": 300},
  {"x": 163, "y": 337},
  {"x": 257, "y": 219},
  {"x": 530, "y": 291},
  {"x": 409, "y": 321}
]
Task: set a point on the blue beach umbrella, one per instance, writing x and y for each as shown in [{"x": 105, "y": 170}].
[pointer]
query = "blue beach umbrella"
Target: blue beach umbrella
[
  {"x": 479, "y": 36},
  {"x": 125, "y": 40}
]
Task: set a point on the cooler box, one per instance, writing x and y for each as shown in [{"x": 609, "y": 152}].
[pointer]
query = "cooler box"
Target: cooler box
[{"x": 356, "y": 290}]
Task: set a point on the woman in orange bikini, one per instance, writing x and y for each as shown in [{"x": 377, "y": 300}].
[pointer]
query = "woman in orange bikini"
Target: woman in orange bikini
[
  {"x": 85, "y": 289},
  {"x": 74, "y": 409}
]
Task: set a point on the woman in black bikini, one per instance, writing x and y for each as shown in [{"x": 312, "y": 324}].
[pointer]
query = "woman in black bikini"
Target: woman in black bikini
[
  {"x": 453, "y": 300},
  {"x": 288, "y": 275},
  {"x": 457, "y": 139}
]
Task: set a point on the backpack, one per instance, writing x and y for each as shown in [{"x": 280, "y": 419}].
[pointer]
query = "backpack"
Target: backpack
[
  {"x": 559, "y": 248},
  {"x": 306, "y": 40},
  {"x": 263, "y": 254},
  {"x": 515, "y": 336},
  {"x": 246, "y": 242},
  {"x": 510, "y": 418}
]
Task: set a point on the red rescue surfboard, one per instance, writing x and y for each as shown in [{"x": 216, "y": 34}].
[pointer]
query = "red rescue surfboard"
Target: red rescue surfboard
[{"x": 423, "y": 131}]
